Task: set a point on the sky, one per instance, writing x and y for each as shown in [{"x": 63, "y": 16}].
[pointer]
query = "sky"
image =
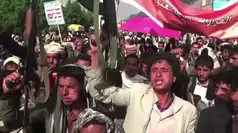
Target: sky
[{"x": 125, "y": 10}]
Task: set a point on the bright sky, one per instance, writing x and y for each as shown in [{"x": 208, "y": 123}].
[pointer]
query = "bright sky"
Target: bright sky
[{"x": 125, "y": 10}]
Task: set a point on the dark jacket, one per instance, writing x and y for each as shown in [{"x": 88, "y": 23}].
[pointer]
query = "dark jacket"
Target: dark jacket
[
  {"x": 217, "y": 119},
  {"x": 180, "y": 86}
]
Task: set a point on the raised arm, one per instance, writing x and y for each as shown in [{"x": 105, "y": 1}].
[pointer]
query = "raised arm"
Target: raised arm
[{"x": 106, "y": 94}]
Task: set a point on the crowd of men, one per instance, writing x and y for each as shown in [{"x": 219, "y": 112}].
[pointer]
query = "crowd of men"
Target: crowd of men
[{"x": 163, "y": 85}]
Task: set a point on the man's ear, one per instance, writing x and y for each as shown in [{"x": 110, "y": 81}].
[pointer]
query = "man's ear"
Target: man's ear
[{"x": 174, "y": 79}]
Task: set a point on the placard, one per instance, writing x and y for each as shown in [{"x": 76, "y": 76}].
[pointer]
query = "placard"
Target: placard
[{"x": 54, "y": 13}]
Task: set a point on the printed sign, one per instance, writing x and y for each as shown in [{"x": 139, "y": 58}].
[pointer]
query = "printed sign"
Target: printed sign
[{"x": 53, "y": 13}]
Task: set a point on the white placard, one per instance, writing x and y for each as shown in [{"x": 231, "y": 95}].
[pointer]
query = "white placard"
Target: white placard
[{"x": 54, "y": 13}]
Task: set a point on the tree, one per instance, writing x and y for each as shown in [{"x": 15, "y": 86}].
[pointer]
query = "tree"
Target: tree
[
  {"x": 74, "y": 14},
  {"x": 13, "y": 14}
]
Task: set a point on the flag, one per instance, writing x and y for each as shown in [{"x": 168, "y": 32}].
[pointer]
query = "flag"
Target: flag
[{"x": 174, "y": 14}]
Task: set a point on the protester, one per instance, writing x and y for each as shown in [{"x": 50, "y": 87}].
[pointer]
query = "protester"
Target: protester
[
  {"x": 142, "y": 99},
  {"x": 222, "y": 117}
]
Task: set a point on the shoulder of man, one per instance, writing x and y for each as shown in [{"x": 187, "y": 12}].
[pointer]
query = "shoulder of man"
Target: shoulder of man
[{"x": 140, "y": 88}]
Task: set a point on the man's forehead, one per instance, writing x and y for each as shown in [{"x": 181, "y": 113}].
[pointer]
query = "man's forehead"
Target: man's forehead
[
  {"x": 203, "y": 67},
  {"x": 195, "y": 45},
  {"x": 161, "y": 63},
  {"x": 51, "y": 54}
]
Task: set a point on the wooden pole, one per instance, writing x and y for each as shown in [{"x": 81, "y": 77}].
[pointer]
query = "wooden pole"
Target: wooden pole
[
  {"x": 60, "y": 34},
  {"x": 96, "y": 30}
]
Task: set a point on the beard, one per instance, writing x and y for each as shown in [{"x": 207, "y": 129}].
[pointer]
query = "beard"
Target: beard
[
  {"x": 235, "y": 107},
  {"x": 222, "y": 99}
]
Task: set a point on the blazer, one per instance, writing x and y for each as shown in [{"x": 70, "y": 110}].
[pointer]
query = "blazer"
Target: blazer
[
  {"x": 139, "y": 101},
  {"x": 217, "y": 119}
]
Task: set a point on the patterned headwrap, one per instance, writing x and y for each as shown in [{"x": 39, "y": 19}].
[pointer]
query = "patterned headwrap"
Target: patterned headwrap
[{"x": 88, "y": 115}]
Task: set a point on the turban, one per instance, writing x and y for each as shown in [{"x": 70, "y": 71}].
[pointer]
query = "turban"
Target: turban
[{"x": 54, "y": 48}]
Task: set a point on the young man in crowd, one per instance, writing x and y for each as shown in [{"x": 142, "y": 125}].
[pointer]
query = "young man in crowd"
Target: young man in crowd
[
  {"x": 223, "y": 117},
  {"x": 225, "y": 49},
  {"x": 158, "y": 108},
  {"x": 10, "y": 95},
  {"x": 71, "y": 105},
  {"x": 198, "y": 84}
]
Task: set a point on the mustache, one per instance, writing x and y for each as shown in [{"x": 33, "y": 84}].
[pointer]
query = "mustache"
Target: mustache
[
  {"x": 235, "y": 103},
  {"x": 222, "y": 99}
]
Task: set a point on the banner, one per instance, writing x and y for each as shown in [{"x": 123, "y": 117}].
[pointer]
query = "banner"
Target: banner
[
  {"x": 176, "y": 15},
  {"x": 222, "y": 4},
  {"x": 53, "y": 13}
]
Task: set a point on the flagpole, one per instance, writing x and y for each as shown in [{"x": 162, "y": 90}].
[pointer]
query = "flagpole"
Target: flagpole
[{"x": 212, "y": 4}]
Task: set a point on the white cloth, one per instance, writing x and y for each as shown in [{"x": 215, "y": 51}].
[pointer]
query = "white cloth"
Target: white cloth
[
  {"x": 54, "y": 48},
  {"x": 161, "y": 122},
  {"x": 201, "y": 90},
  {"x": 128, "y": 82}
]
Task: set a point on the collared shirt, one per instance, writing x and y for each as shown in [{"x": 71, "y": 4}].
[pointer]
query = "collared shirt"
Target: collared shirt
[
  {"x": 161, "y": 122},
  {"x": 201, "y": 90}
]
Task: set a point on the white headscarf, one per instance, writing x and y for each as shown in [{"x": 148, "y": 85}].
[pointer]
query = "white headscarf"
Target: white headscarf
[{"x": 54, "y": 48}]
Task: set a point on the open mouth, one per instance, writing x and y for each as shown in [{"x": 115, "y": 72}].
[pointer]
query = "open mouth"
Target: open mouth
[{"x": 158, "y": 82}]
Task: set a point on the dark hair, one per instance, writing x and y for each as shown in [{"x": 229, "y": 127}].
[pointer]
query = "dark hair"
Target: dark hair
[
  {"x": 186, "y": 48},
  {"x": 84, "y": 57},
  {"x": 195, "y": 43},
  {"x": 72, "y": 70},
  {"x": 161, "y": 42},
  {"x": 228, "y": 77},
  {"x": 132, "y": 56},
  {"x": 170, "y": 58},
  {"x": 228, "y": 47},
  {"x": 204, "y": 60},
  {"x": 198, "y": 38},
  {"x": 234, "y": 50},
  {"x": 204, "y": 52},
  {"x": 11, "y": 63}
]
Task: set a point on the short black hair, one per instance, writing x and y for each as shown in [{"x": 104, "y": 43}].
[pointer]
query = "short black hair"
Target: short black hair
[
  {"x": 132, "y": 56},
  {"x": 195, "y": 43},
  {"x": 75, "y": 71},
  {"x": 228, "y": 77},
  {"x": 186, "y": 48},
  {"x": 170, "y": 58},
  {"x": 204, "y": 60},
  {"x": 199, "y": 38},
  {"x": 228, "y": 47},
  {"x": 160, "y": 42},
  {"x": 72, "y": 70},
  {"x": 84, "y": 57},
  {"x": 11, "y": 63}
]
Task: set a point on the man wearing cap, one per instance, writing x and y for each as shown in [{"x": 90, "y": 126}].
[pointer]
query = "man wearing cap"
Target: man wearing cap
[
  {"x": 10, "y": 96},
  {"x": 150, "y": 108}
]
